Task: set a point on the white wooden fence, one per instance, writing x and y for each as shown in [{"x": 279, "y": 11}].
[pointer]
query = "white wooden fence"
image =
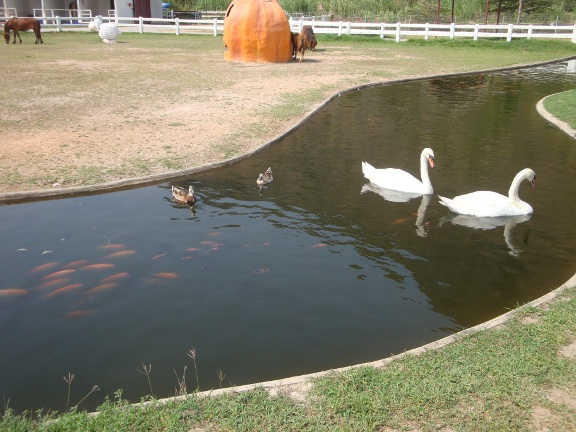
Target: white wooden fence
[{"x": 396, "y": 31}]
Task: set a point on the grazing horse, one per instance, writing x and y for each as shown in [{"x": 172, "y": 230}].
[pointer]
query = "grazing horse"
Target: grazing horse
[
  {"x": 21, "y": 24},
  {"x": 309, "y": 32}
]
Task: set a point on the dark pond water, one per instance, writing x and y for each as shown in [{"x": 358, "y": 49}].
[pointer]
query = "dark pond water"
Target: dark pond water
[{"x": 317, "y": 271}]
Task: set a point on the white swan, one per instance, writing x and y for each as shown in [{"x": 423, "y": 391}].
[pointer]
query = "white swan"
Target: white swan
[
  {"x": 397, "y": 179},
  {"x": 492, "y": 204}
]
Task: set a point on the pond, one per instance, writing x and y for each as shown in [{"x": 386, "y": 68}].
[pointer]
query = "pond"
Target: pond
[{"x": 317, "y": 270}]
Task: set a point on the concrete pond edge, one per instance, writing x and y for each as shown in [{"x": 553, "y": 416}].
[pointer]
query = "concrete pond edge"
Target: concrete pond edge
[{"x": 562, "y": 125}]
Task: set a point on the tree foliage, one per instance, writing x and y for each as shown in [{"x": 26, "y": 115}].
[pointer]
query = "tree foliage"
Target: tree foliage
[
  {"x": 422, "y": 8},
  {"x": 528, "y": 6}
]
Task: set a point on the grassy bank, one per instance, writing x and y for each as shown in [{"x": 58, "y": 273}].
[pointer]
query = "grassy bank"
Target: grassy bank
[
  {"x": 521, "y": 376},
  {"x": 563, "y": 107}
]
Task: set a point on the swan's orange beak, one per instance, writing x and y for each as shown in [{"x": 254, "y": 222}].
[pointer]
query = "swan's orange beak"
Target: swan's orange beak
[{"x": 431, "y": 161}]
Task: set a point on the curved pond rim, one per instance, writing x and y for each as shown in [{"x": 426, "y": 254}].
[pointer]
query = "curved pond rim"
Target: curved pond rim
[
  {"x": 562, "y": 125},
  {"x": 297, "y": 386},
  {"x": 131, "y": 183}
]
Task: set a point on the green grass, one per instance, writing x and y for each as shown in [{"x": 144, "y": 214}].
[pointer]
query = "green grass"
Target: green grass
[
  {"x": 501, "y": 379},
  {"x": 563, "y": 106}
]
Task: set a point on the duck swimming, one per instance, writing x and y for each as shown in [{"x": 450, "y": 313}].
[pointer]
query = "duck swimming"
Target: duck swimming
[
  {"x": 265, "y": 178},
  {"x": 183, "y": 196}
]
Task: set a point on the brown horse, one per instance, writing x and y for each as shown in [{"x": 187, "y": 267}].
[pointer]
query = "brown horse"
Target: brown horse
[
  {"x": 309, "y": 32},
  {"x": 21, "y": 24},
  {"x": 300, "y": 43}
]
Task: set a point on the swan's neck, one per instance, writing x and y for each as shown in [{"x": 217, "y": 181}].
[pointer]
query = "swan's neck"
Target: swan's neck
[
  {"x": 424, "y": 176},
  {"x": 513, "y": 192}
]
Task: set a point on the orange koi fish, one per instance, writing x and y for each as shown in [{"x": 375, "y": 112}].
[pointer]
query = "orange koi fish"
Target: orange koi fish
[
  {"x": 97, "y": 266},
  {"x": 120, "y": 254},
  {"x": 262, "y": 270},
  {"x": 53, "y": 282},
  {"x": 193, "y": 249},
  {"x": 78, "y": 263},
  {"x": 12, "y": 292},
  {"x": 155, "y": 257},
  {"x": 150, "y": 280},
  {"x": 43, "y": 267},
  {"x": 399, "y": 221},
  {"x": 207, "y": 242},
  {"x": 215, "y": 233},
  {"x": 115, "y": 277},
  {"x": 79, "y": 313},
  {"x": 64, "y": 289},
  {"x": 167, "y": 275},
  {"x": 319, "y": 245},
  {"x": 58, "y": 274},
  {"x": 112, "y": 246},
  {"x": 102, "y": 287}
]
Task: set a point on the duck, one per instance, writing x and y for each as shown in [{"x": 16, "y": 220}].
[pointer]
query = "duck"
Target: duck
[
  {"x": 183, "y": 196},
  {"x": 400, "y": 180},
  {"x": 265, "y": 178},
  {"x": 493, "y": 204}
]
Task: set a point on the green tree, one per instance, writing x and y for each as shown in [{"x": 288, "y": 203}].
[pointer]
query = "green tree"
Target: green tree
[{"x": 523, "y": 6}]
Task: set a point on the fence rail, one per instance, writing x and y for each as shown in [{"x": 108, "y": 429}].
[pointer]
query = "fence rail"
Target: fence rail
[{"x": 397, "y": 31}]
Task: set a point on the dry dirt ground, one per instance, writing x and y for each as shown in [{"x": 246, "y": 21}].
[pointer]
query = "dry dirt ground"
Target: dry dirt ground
[
  {"x": 124, "y": 113},
  {"x": 76, "y": 112}
]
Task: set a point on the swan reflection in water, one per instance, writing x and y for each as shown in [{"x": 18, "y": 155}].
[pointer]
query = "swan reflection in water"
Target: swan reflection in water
[
  {"x": 488, "y": 223},
  {"x": 422, "y": 224}
]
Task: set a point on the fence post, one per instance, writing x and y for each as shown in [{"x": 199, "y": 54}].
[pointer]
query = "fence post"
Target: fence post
[
  {"x": 177, "y": 24},
  {"x": 452, "y": 30},
  {"x": 141, "y": 23},
  {"x": 427, "y": 31},
  {"x": 381, "y": 30},
  {"x": 339, "y": 28},
  {"x": 510, "y": 29},
  {"x": 574, "y": 34},
  {"x": 476, "y": 31},
  {"x": 530, "y": 31},
  {"x": 58, "y": 24},
  {"x": 300, "y": 25},
  {"x": 215, "y": 26},
  {"x": 348, "y": 28},
  {"x": 398, "y": 31}
]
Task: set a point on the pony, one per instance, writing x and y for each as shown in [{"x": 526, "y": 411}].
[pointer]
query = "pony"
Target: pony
[
  {"x": 300, "y": 43},
  {"x": 309, "y": 32},
  {"x": 21, "y": 24},
  {"x": 293, "y": 37}
]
